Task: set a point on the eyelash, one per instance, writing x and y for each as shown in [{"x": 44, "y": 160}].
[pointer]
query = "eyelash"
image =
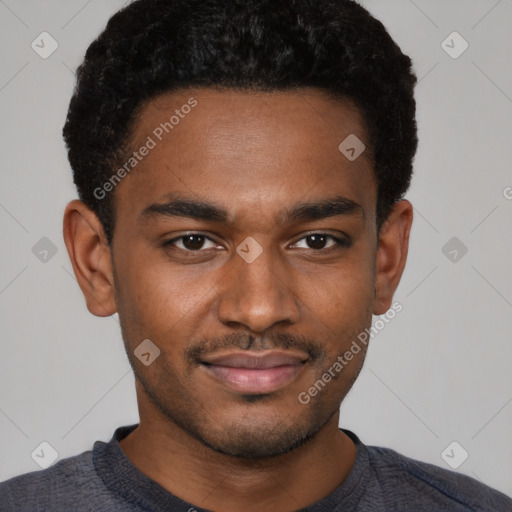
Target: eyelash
[{"x": 340, "y": 243}]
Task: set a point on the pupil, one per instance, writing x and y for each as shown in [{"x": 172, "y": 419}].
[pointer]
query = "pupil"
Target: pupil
[
  {"x": 193, "y": 242},
  {"x": 316, "y": 241}
]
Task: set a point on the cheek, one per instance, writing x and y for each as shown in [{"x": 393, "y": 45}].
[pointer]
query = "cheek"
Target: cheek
[
  {"x": 342, "y": 293},
  {"x": 339, "y": 302},
  {"x": 156, "y": 302},
  {"x": 174, "y": 293},
  {"x": 342, "y": 311}
]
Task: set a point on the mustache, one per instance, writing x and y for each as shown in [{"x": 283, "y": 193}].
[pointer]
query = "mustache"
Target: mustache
[{"x": 246, "y": 341}]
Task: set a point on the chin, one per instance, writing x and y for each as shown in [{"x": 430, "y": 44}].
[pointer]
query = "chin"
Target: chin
[{"x": 258, "y": 441}]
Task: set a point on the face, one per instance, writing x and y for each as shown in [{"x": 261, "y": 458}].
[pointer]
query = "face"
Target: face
[{"x": 245, "y": 249}]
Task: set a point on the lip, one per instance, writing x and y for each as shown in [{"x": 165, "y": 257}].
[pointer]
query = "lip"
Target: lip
[{"x": 255, "y": 373}]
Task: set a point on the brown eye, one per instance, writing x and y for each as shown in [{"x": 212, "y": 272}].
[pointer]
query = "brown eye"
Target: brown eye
[
  {"x": 316, "y": 241},
  {"x": 191, "y": 242},
  {"x": 321, "y": 241}
]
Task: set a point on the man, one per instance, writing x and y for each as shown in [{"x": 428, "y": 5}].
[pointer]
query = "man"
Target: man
[{"x": 241, "y": 168}]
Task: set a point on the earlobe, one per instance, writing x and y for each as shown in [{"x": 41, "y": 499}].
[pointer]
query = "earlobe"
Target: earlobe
[
  {"x": 90, "y": 256},
  {"x": 392, "y": 254}
]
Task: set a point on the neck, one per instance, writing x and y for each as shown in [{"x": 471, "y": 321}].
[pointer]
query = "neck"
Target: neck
[{"x": 196, "y": 474}]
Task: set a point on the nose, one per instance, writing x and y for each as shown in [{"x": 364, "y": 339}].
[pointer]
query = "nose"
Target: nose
[{"x": 259, "y": 294}]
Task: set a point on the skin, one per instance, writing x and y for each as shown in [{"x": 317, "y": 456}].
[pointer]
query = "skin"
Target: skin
[{"x": 254, "y": 155}]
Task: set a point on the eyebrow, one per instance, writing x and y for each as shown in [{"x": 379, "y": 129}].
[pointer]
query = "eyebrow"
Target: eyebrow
[{"x": 200, "y": 210}]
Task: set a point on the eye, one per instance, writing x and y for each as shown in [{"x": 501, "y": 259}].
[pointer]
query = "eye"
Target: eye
[
  {"x": 191, "y": 242},
  {"x": 196, "y": 242},
  {"x": 319, "y": 241}
]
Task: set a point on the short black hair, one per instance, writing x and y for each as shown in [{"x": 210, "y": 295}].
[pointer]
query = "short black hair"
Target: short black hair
[{"x": 154, "y": 46}]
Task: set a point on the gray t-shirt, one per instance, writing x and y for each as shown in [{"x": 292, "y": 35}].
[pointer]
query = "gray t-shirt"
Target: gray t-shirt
[{"x": 104, "y": 479}]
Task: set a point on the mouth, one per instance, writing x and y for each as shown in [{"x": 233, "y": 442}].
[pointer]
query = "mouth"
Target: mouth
[{"x": 255, "y": 373}]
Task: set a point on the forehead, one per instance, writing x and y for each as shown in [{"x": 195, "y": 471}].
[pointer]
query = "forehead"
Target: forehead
[{"x": 246, "y": 148}]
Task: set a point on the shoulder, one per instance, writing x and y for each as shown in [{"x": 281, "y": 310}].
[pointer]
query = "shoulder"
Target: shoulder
[
  {"x": 54, "y": 488},
  {"x": 410, "y": 481}
]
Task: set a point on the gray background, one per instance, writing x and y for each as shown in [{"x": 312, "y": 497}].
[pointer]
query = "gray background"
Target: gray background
[{"x": 438, "y": 373}]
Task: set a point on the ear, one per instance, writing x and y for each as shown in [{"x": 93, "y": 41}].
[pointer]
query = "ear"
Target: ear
[
  {"x": 90, "y": 256},
  {"x": 392, "y": 254}
]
